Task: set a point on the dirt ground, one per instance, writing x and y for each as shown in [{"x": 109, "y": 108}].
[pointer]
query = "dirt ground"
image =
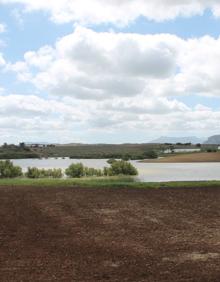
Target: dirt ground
[
  {"x": 82, "y": 234},
  {"x": 188, "y": 158}
]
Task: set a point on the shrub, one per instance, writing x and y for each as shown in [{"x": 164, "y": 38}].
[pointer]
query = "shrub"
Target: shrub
[
  {"x": 78, "y": 170},
  {"x": 111, "y": 161},
  {"x": 87, "y": 171},
  {"x": 211, "y": 150},
  {"x": 150, "y": 154},
  {"x": 126, "y": 157},
  {"x": 57, "y": 173},
  {"x": 120, "y": 168},
  {"x": 75, "y": 170},
  {"x": 51, "y": 173},
  {"x": 34, "y": 172},
  {"x": 8, "y": 170}
]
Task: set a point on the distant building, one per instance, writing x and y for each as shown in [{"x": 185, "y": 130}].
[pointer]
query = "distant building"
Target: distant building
[
  {"x": 169, "y": 151},
  {"x": 38, "y": 145}
]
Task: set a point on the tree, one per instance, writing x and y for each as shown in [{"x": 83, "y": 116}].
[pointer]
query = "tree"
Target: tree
[{"x": 8, "y": 170}]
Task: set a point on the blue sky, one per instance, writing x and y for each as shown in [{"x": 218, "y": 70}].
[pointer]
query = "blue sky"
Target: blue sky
[{"x": 57, "y": 62}]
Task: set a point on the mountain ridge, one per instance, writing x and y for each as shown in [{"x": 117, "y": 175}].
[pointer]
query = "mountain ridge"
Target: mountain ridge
[{"x": 174, "y": 140}]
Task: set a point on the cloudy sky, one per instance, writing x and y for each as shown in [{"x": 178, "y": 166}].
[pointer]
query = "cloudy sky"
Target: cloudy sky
[{"x": 108, "y": 71}]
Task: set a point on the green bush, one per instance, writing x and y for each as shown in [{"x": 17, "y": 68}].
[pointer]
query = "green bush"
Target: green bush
[
  {"x": 151, "y": 154},
  {"x": 126, "y": 157},
  {"x": 79, "y": 170},
  {"x": 120, "y": 168},
  {"x": 111, "y": 161},
  {"x": 87, "y": 171},
  {"x": 8, "y": 170},
  {"x": 34, "y": 172},
  {"x": 75, "y": 170},
  {"x": 51, "y": 173},
  {"x": 211, "y": 150}
]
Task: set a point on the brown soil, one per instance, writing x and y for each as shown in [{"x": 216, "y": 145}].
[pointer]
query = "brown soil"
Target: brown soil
[
  {"x": 188, "y": 158},
  {"x": 76, "y": 234}
]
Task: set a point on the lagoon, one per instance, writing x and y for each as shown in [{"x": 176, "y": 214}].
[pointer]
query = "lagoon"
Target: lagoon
[{"x": 148, "y": 172}]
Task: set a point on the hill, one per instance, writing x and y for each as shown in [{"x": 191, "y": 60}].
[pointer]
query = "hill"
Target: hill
[
  {"x": 174, "y": 140},
  {"x": 213, "y": 140}
]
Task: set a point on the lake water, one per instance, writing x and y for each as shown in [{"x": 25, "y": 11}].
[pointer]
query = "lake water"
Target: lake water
[{"x": 148, "y": 172}]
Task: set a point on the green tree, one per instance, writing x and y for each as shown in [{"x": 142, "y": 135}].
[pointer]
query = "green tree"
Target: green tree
[{"x": 8, "y": 170}]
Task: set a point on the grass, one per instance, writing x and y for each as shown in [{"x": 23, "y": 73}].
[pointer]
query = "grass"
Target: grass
[{"x": 109, "y": 182}]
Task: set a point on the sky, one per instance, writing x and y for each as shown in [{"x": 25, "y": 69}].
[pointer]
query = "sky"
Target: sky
[{"x": 100, "y": 71}]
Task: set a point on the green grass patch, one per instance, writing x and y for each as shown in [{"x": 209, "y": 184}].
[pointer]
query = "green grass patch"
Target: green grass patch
[{"x": 111, "y": 182}]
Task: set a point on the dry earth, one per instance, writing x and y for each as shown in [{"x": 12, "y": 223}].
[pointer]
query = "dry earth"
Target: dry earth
[
  {"x": 76, "y": 234},
  {"x": 188, "y": 158}
]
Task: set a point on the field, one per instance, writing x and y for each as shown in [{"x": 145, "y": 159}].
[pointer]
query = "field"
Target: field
[
  {"x": 16, "y": 152},
  {"x": 189, "y": 158},
  {"x": 98, "y": 151},
  {"x": 109, "y": 234}
]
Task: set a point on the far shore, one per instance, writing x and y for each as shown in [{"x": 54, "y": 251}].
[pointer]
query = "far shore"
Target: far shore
[{"x": 188, "y": 158}]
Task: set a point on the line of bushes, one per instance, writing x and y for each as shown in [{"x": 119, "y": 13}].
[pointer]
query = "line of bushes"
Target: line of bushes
[
  {"x": 9, "y": 170},
  {"x": 34, "y": 172}
]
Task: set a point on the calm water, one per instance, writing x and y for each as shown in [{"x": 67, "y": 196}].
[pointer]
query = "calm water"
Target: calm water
[{"x": 147, "y": 171}]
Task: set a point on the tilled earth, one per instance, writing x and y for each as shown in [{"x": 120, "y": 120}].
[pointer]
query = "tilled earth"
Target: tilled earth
[{"x": 83, "y": 234}]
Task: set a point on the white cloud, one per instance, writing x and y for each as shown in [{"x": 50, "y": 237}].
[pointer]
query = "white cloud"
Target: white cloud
[
  {"x": 117, "y": 11},
  {"x": 69, "y": 119},
  {"x": 96, "y": 66},
  {"x": 2, "y": 60},
  {"x": 2, "y": 27},
  {"x": 90, "y": 65},
  {"x": 29, "y": 117}
]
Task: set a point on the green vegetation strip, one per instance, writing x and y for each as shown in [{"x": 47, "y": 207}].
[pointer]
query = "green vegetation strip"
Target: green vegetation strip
[{"x": 109, "y": 182}]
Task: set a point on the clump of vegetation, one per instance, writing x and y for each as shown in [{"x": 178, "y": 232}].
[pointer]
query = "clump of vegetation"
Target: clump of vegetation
[
  {"x": 75, "y": 170},
  {"x": 89, "y": 171},
  {"x": 120, "y": 168},
  {"x": 79, "y": 170},
  {"x": 11, "y": 151},
  {"x": 151, "y": 154},
  {"x": 111, "y": 161},
  {"x": 117, "y": 168},
  {"x": 8, "y": 170},
  {"x": 34, "y": 172},
  {"x": 211, "y": 150}
]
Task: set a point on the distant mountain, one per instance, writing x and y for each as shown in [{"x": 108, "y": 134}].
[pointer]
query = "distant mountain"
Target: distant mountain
[
  {"x": 174, "y": 140},
  {"x": 213, "y": 140}
]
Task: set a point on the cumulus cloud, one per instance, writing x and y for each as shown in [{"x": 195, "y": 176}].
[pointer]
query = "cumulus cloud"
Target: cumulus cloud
[
  {"x": 118, "y": 12},
  {"x": 91, "y": 65},
  {"x": 97, "y": 66},
  {"x": 69, "y": 119},
  {"x": 23, "y": 117}
]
